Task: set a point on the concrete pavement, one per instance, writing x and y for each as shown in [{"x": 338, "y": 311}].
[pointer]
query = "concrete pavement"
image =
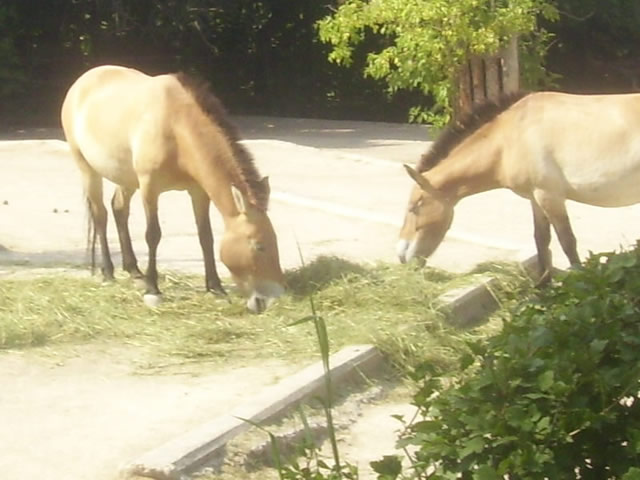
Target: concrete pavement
[{"x": 337, "y": 189}]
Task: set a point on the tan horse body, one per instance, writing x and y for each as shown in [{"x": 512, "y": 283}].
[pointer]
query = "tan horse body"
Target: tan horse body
[
  {"x": 168, "y": 133},
  {"x": 547, "y": 147}
]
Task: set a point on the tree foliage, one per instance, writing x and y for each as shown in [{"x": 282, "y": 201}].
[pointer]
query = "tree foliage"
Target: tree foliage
[
  {"x": 423, "y": 43},
  {"x": 595, "y": 47},
  {"x": 260, "y": 56},
  {"x": 266, "y": 57},
  {"x": 554, "y": 395},
  {"x": 11, "y": 71},
  {"x": 610, "y": 27}
]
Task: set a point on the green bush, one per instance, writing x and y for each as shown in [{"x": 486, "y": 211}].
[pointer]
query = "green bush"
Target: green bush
[{"x": 553, "y": 396}]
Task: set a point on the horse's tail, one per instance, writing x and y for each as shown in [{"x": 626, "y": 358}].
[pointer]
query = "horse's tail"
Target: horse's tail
[{"x": 91, "y": 237}]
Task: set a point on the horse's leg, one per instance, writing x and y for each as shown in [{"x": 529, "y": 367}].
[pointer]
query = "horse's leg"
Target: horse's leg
[
  {"x": 120, "y": 206},
  {"x": 542, "y": 236},
  {"x": 99, "y": 214},
  {"x": 93, "y": 191},
  {"x": 201, "y": 202},
  {"x": 563, "y": 229},
  {"x": 555, "y": 210},
  {"x": 153, "y": 233}
]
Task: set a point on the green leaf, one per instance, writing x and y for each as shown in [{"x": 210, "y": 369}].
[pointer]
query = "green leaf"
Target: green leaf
[
  {"x": 389, "y": 468},
  {"x": 598, "y": 345},
  {"x": 545, "y": 380},
  {"x": 466, "y": 361},
  {"x": 474, "y": 445},
  {"x": 543, "y": 425},
  {"x": 632, "y": 474},
  {"x": 307, "y": 319},
  {"x": 486, "y": 473}
]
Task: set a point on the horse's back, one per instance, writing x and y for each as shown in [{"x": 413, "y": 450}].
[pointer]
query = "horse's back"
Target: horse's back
[
  {"x": 99, "y": 96},
  {"x": 110, "y": 112},
  {"x": 586, "y": 145}
]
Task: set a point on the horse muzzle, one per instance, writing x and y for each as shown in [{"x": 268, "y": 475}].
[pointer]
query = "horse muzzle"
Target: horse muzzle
[
  {"x": 402, "y": 250},
  {"x": 407, "y": 253},
  {"x": 263, "y": 296}
]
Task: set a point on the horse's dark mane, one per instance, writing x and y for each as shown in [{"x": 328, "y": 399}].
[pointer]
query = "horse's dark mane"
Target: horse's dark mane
[
  {"x": 249, "y": 179},
  {"x": 456, "y": 132}
]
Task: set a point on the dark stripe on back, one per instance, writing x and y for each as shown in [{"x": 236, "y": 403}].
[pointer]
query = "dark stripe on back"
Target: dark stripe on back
[
  {"x": 244, "y": 162},
  {"x": 456, "y": 132}
]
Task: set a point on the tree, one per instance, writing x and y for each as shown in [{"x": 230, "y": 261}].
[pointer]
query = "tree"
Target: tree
[
  {"x": 262, "y": 57},
  {"x": 11, "y": 73},
  {"x": 595, "y": 45},
  {"x": 422, "y": 44}
]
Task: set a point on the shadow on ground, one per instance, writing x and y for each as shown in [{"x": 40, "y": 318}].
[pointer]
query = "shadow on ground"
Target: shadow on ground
[
  {"x": 42, "y": 260},
  {"x": 318, "y": 274}
]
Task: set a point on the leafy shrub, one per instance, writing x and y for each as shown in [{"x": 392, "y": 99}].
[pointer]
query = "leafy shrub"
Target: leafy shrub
[{"x": 554, "y": 395}]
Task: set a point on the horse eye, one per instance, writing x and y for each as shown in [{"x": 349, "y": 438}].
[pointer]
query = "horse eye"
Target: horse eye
[{"x": 259, "y": 247}]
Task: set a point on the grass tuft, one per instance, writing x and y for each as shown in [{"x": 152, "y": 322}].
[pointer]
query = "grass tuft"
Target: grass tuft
[{"x": 392, "y": 306}]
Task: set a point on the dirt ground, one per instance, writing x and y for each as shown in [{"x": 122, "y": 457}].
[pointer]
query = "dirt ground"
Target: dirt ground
[{"x": 85, "y": 412}]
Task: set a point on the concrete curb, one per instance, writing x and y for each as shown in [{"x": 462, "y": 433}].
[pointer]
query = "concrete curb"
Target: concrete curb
[
  {"x": 187, "y": 452},
  {"x": 468, "y": 305},
  {"x": 173, "y": 460}
]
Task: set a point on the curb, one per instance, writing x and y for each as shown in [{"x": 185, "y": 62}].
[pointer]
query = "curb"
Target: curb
[
  {"x": 193, "y": 449},
  {"x": 468, "y": 305},
  {"x": 176, "y": 458}
]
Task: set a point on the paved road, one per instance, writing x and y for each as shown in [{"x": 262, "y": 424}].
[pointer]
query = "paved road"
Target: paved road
[
  {"x": 331, "y": 191},
  {"x": 338, "y": 188}
]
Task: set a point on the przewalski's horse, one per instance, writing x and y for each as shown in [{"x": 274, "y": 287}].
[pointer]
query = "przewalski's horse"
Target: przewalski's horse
[
  {"x": 547, "y": 147},
  {"x": 170, "y": 133}
]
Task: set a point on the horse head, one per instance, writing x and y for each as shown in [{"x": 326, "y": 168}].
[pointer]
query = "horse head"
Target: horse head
[
  {"x": 428, "y": 217},
  {"x": 249, "y": 250}
]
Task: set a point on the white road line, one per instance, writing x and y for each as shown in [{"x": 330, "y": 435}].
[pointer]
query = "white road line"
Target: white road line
[
  {"x": 361, "y": 214},
  {"x": 334, "y": 208},
  {"x": 336, "y": 153}
]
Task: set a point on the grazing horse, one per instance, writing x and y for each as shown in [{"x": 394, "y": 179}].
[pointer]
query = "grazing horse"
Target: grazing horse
[
  {"x": 546, "y": 147},
  {"x": 168, "y": 132}
]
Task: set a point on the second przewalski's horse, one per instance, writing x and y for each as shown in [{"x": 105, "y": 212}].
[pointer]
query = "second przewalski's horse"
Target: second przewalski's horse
[{"x": 547, "y": 147}]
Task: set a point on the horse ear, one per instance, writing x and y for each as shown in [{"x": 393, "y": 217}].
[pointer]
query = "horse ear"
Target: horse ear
[
  {"x": 422, "y": 182},
  {"x": 238, "y": 199}
]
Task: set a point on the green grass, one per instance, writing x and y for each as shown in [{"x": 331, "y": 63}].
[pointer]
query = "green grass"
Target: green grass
[{"x": 392, "y": 306}]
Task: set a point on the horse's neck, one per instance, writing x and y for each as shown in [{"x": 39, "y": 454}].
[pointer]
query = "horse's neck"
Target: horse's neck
[
  {"x": 209, "y": 162},
  {"x": 473, "y": 167}
]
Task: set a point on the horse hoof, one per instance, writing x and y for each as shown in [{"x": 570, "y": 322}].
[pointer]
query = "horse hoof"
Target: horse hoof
[
  {"x": 106, "y": 279},
  {"x": 218, "y": 291},
  {"x": 152, "y": 300}
]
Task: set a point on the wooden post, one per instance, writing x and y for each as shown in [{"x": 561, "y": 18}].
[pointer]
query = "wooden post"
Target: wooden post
[
  {"x": 464, "y": 100},
  {"x": 486, "y": 79},
  {"x": 510, "y": 67},
  {"x": 478, "y": 80},
  {"x": 493, "y": 78}
]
